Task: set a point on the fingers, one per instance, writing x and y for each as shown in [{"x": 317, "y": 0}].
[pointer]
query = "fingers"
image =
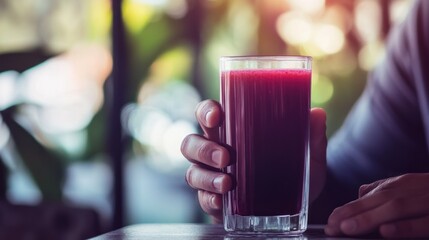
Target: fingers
[
  {"x": 376, "y": 186},
  {"x": 209, "y": 115},
  {"x": 204, "y": 179},
  {"x": 210, "y": 185},
  {"x": 343, "y": 213},
  {"x": 405, "y": 180},
  {"x": 205, "y": 152},
  {"x": 318, "y": 138},
  {"x": 368, "y": 213},
  {"x": 366, "y": 188},
  {"x": 392, "y": 210},
  {"x": 211, "y": 203},
  {"x": 318, "y": 142},
  {"x": 411, "y": 228},
  {"x": 200, "y": 150}
]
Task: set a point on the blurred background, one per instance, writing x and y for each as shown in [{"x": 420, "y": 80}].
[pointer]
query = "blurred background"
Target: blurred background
[{"x": 55, "y": 58}]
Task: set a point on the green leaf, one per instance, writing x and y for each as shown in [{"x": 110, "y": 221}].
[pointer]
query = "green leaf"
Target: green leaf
[{"x": 44, "y": 166}]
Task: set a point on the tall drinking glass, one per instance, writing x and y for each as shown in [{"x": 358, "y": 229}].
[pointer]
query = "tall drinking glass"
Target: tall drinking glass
[{"x": 266, "y": 105}]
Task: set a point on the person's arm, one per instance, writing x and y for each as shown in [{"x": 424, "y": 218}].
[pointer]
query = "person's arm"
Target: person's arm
[{"x": 386, "y": 132}]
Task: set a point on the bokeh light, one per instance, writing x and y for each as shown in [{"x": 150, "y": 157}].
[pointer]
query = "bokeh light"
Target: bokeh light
[
  {"x": 338, "y": 16},
  {"x": 136, "y": 14},
  {"x": 307, "y": 6},
  {"x": 173, "y": 137},
  {"x": 322, "y": 89},
  {"x": 398, "y": 10},
  {"x": 329, "y": 38},
  {"x": 161, "y": 120},
  {"x": 294, "y": 28},
  {"x": 157, "y": 3},
  {"x": 368, "y": 20},
  {"x": 147, "y": 124},
  {"x": 370, "y": 54},
  {"x": 318, "y": 38}
]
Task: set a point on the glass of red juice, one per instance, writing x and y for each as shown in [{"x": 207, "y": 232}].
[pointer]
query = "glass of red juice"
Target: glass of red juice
[{"x": 266, "y": 106}]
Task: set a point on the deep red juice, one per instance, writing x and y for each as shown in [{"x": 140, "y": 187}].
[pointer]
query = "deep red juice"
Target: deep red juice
[{"x": 266, "y": 127}]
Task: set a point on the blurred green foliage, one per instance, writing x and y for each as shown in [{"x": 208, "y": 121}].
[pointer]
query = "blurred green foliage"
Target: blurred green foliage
[
  {"x": 182, "y": 40},
  {"x": 239, "y": 27}
]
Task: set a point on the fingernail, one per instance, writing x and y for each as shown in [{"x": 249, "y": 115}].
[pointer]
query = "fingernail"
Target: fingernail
[
  {"x": 216, "y": 157},
  {"x": 349, "y": 226},
  {"x": 208, "y": 116},
  {"x": 213, "y": 203},
  {"x": 217, "y": 183}
]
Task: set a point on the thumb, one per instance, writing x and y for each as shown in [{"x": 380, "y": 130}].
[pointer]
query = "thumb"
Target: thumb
[{"x": 318, "y": 143}]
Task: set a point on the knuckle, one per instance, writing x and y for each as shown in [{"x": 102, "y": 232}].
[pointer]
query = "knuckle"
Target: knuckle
[
  {"x": 402, "y": 178},
  {"x": 200, "y": 179},
  {"x": 391, "y": 182},
  {"x": 408, "y": 175},
  {"x": 365, "y": 221},
  {"x": 205, "y": 200},
  {"x": 202, "y": 201},
  {"x": 205, "y": 150},
  {"x": 362, "y": 189},
  {"x": 386, "y": 184},
  {"x": 341, "y": 212},
  {"x": 397, "y": 205},
  {"x": 194, "y": 148},
  {"x": 386, "y": 195}
]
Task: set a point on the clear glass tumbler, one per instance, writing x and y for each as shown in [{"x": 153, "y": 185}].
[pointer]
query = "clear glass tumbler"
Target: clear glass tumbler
[{"x": 266, "y": 105}]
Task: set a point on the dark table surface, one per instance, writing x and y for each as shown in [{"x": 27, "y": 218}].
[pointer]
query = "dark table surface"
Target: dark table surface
[{"x": 201, "y": 232}]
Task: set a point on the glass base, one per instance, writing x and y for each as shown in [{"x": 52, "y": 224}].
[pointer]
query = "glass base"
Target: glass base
[{"x": 292, "y": 225}]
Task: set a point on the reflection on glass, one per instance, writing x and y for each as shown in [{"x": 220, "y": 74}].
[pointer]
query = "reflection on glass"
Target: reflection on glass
[{"x": 269, "y": 237}]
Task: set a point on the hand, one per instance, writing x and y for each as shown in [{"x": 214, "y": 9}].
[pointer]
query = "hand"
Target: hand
[
  {"x": 395, "y": 207},
  {"x": 208, "y": 157}
]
